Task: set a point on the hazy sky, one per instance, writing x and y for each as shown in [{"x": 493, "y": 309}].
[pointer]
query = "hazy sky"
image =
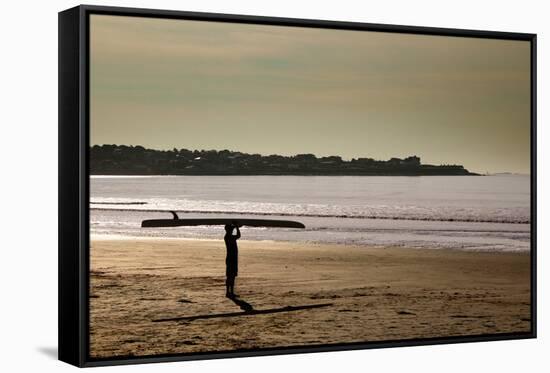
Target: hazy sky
[{"x": 287, "y": 90}]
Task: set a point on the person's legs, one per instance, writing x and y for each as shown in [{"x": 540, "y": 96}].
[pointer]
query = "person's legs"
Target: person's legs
[
  {"x": 227, "y": 287},
  {"x": 230, "y": 286},
  {"x": 233, "y": 285}
]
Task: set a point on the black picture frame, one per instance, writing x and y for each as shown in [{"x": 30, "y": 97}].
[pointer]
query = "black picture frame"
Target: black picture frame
[{"x": 73, "y": 250}]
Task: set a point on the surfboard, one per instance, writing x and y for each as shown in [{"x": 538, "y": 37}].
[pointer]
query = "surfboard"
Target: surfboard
[{"x": 177, "y": 222}]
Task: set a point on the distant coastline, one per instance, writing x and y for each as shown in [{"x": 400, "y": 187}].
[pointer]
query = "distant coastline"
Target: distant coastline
[{"x": 137, "y": 160}]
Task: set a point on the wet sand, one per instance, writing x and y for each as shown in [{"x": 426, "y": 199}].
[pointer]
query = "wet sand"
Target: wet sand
[{"x": 165, "y": 296}]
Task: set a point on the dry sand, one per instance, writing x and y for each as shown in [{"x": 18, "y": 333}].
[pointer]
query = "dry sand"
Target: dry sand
[{"x": 373, "y": 294}]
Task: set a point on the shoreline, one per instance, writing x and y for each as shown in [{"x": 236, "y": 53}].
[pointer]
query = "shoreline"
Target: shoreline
[
  {"x": 123, "y": 237},
  {"x": 368, "y": 293}
]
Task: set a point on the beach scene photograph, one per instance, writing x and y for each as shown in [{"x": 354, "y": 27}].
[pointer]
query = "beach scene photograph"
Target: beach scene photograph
[{"x": 260, "y": 187}]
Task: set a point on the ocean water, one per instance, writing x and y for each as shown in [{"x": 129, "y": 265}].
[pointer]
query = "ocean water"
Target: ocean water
[{"x": 461, "y": 212}]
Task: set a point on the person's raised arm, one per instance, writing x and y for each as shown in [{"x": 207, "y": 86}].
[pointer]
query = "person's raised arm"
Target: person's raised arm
[{"x": 238, "y": 235}]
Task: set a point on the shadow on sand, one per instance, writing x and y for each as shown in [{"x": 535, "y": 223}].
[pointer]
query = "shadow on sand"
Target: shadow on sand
[
  {"x": 247, "y": 310},
  {"x": 245, "y": 306}
]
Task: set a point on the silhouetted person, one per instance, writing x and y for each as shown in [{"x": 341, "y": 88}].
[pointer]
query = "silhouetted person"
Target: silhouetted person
[{"x": 232, "y": 258}]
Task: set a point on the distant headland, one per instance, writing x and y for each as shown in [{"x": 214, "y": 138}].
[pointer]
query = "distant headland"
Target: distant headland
[{"x": 137, "y": 160}]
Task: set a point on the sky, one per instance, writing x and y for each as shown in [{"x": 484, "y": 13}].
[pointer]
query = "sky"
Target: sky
[{"x": 167, "y": 84}]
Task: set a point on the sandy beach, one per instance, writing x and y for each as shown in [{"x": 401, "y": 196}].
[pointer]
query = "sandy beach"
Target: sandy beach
[{"x": 164, "y": 296}]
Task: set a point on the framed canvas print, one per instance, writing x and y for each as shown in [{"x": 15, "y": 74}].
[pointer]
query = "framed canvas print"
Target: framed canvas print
[{"x": 239, "y": 186}]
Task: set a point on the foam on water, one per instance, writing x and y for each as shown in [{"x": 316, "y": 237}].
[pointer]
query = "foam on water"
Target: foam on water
[{"x": 475, "y": 213}]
